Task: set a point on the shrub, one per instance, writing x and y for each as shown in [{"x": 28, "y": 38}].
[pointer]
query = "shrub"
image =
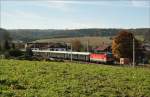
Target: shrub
[
  {"x": 15, "y": 53},
  {"x": 28, "y": 52}
]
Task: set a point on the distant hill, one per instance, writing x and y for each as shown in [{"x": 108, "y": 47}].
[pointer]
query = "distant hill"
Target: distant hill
[
  {"x": 4, "y": 37},
  {"x": 4, "y": 34},
  {"x": 92, "y": 41},
  {"x": 35, "y": 34}
]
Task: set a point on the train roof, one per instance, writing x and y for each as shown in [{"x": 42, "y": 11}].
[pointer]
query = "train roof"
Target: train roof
[{"x": 63, "y": 52}]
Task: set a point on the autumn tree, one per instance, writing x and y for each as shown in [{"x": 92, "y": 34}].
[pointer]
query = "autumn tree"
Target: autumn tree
[
  {"x": 76, "y": 45},
  {"x": 122, "y": 46}
]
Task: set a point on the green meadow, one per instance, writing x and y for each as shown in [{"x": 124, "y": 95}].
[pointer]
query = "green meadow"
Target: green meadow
[{"x": 66, "y": 79}]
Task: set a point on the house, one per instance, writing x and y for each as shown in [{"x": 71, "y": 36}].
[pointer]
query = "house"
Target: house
[
  {"x": 103, "y": 48},
  {"x": 58, "y": 47},
  {"x": 47, "y": 46},
  {"x": 146, "y": 47},
  {"x": 35, "y": 46},
  {"x": 18, "y": 44},
  {"x": 145, "y": 54}
]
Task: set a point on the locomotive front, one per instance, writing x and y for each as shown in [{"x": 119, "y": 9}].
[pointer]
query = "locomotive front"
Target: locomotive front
[{"x": 102, "y": 57}]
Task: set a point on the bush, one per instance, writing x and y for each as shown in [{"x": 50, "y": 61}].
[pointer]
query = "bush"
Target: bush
[
  {"x": 28, "y": 52},
  {"x": 15, "y": 53}
]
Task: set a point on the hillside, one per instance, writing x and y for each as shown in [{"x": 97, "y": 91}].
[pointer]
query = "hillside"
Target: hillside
[
  {"x": 4, "y": 34},
  {"x": 59, "y": 79},
  {"x": 35, "y": 34},
  {"x": 93, "y": 41}
]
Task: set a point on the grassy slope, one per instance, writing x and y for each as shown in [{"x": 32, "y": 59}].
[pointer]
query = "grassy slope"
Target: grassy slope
[
  {"x": 58, "y": 79},
  {"x": 93, "y": 41}
]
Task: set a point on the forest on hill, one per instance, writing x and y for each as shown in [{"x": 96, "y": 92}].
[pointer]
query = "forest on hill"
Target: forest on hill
[
  {"x": 4, "y": 39},
  {"x": 35, "y": 34},
  {"x": 4, "y": 35}
]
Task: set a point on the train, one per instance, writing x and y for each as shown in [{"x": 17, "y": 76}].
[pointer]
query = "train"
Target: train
[{"x": 103, "y": 57}]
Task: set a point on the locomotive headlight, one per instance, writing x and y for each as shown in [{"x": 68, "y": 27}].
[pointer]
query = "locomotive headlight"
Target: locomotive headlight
[{"x": 105, "y": 59}]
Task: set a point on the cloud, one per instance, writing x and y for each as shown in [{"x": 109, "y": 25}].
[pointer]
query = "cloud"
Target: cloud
[
  {"x": 65, "y": 2},
  {"x": 128, "y": 3},
  {"x": 141, "y": 3},
  {"x": 49, "y": 14},
  {"x": 20, "y": 18},
  {"x": 23, "y": 15}
]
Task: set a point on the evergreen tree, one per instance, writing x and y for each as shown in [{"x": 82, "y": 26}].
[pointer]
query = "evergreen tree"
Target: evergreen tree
[
  {"x": 29, "y": 52},
  {"x": 6, "y": 45},
  {"x": 0, "y": 47},
  {"x": 13, "y": 46}
]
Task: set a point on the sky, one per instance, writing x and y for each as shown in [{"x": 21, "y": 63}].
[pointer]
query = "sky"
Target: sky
[{"x": 74, "y": 14}]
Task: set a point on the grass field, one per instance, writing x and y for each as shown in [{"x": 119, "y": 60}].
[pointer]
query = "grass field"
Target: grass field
[{"x": 59, "y": 79}]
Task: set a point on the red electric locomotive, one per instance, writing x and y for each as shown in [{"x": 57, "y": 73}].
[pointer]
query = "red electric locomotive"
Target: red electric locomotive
[{"x": 105, "y": 57}]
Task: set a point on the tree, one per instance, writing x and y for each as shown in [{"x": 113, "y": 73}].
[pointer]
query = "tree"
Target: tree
[
  {"x": 28, "y": 52},
  {"x": 76, "y": 45},
  {"x": 122, "y": 46},
  {"x": 13, "y": 46},
  {"x": 0, "y": 47},
  {"x": 7, "y": 45},
  {"x": 147, "y": 36},
  {"x": 4, "y": 39},
  {"x": 15, "y": 52}
]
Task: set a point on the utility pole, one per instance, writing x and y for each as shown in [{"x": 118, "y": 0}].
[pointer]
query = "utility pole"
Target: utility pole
[
  {"x": 71, "y": 51},
  {"x": 34, "y": 45},
  {"x": 48, "y": 46},
  {"x": 133, "y": 51},
  {"x": 88, "y": 46}
]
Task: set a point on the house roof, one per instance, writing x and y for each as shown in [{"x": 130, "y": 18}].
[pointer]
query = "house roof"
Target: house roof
[
  {"x": 47, "y": 45},
  {"x": 102, "y": 47}
]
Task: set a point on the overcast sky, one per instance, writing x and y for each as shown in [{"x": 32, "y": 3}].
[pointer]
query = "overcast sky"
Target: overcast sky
[{"x": 69, "y": 14}]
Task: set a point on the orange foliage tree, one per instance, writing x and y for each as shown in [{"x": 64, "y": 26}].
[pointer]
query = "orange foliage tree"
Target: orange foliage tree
[
  {"x": 122, "y": 45},
  {"x": 76, "y": 45}
]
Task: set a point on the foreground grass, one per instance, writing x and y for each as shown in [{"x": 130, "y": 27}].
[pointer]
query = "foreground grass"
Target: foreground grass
[{"x": 58, "y": 79}]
